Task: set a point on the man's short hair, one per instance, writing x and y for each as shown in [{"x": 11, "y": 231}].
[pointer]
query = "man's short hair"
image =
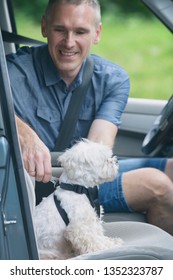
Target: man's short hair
[{"x": 93, "y": 3}]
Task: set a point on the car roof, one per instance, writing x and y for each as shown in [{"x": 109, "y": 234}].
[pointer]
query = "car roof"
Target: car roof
[{"x": 163, "y": 9}]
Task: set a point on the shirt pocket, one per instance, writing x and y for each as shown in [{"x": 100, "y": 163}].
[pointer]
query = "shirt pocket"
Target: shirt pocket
[{"x": 48, "y": 115}]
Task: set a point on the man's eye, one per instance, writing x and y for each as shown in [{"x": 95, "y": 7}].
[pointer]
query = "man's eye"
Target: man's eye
[
  {"x": 81, "y": 32},
  {"x": 59, "y": 30}
]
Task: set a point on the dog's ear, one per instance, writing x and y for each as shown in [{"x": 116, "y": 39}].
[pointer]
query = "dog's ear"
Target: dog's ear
[
  {"x": 75, "y": 155},
  {"x": 65, "y": 159},
  {"x": 72, "y": 162},
  {"x": 67, "y": 163},
  {"x": 71, "y": 158}
]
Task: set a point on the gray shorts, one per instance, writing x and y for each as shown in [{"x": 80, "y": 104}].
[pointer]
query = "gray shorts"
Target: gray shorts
[{"x": 111, "y": 195}]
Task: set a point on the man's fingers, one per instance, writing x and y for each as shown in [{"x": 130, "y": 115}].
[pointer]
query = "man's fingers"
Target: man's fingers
[
  {"x": 43, "y": 166},
  {"x": 37, "y": 162},
  {"x": 32, "y": 173},
  {"x": 48, "y": 170},
  {"x": 29, "y": 163},
  {"x": 35, "y": 154}
]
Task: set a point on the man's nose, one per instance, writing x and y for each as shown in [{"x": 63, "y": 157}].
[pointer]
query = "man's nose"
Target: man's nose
[{"x": 69, "y": 39}]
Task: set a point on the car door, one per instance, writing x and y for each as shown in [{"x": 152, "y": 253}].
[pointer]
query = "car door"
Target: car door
[
  {"x": 137, "y": 120},
  {"x": 17, "y": 239}
]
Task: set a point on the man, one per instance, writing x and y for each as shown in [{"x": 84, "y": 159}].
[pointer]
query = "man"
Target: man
[{"x": 43, "y": 80}]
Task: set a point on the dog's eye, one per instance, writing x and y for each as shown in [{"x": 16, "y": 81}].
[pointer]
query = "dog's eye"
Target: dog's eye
[{"x": 113, "y": 160}]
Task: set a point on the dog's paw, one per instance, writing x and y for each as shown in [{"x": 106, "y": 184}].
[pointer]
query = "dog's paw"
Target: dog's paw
[{"x": 110, "y": 243}]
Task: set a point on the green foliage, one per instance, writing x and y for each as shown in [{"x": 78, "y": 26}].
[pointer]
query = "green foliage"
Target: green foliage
[
  {"x": 35, "y": 9},
  {"x": 123, "y": 6},
  {"x": 143, "y": 46}
]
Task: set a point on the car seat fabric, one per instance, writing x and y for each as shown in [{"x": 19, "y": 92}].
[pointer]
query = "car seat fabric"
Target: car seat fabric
[
  {"x": 122, "y": 216},
  {"x": 142, "y": 241}
]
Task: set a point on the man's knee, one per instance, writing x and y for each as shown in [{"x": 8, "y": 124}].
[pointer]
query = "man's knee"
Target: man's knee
[
  {"x": 160, "y": 184},
  {"x": 146, "y": 186}
]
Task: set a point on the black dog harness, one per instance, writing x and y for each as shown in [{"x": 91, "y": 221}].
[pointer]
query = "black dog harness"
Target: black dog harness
[{"x": 91, "y": 193}]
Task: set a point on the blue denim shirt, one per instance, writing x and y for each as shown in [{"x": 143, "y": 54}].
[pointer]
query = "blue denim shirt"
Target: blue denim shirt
[{"x": 41, "y": 97}]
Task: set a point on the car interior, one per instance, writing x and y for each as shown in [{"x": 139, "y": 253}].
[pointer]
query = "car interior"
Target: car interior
[{"x": 145, "y": 132}]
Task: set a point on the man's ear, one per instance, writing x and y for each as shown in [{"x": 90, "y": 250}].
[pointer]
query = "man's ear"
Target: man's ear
[
  {"x": 98, "y": 34},
  {"x": 43, "y": 27}
]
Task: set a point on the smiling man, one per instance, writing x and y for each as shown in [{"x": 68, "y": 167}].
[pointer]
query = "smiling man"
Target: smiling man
[
  {"x": 43, "y": 80},
  {"x": 71, "y": 30}
]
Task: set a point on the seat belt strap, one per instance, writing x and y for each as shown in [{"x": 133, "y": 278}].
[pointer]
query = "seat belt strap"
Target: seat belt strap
[
  {"x": 10, "y": 37},
  {"x": 68, "y": 125}
]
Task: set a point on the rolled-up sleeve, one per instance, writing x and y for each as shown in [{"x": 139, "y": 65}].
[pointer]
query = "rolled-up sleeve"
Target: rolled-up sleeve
[{"x": 113, "y": 93}]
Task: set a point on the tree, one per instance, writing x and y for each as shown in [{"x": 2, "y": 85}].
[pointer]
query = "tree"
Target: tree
[
  {"x": 123, "y": 6},
  {"x": 36, "y": 8}
]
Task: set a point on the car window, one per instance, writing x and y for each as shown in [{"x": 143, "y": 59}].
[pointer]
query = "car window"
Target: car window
[{"x": 140, "y": 44}]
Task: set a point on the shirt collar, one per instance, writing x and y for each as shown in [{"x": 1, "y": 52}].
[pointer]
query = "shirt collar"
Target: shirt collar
[{"x": 50, "y": 72}]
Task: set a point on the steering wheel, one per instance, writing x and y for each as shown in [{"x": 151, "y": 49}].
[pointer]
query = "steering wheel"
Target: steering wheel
[{"x": 161, "y": 130}]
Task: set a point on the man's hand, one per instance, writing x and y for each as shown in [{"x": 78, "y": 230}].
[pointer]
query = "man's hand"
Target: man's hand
[{"x": 36, "y": 156}]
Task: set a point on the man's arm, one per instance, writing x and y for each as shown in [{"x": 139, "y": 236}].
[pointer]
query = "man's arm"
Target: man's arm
[
  {"x": 103, "y": 131},
  {"x": 36, "y": 156}
]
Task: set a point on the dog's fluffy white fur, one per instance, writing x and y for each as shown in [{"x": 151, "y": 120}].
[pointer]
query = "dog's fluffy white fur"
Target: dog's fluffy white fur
[{"x": 87, "y": 164}]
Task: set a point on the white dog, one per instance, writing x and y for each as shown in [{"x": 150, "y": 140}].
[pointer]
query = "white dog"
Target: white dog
[{"x": 85, "y": 165}]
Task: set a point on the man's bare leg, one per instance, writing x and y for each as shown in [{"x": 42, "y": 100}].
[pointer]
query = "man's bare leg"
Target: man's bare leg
[{"x": 150, "y": 190}]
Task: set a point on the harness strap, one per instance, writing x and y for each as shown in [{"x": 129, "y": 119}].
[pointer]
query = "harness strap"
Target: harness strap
[
  {"x": 91, "y": 193},
  {"x": 61, "y": 210}
]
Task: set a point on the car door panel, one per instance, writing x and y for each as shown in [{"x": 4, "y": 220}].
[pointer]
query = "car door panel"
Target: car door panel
[
  {"x": 137, "y": 119},
  {"x": 17, "y": 237}
]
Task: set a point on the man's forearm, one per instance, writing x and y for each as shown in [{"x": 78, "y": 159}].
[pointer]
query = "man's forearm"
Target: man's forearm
[
  {"x": 35, "y": 154},
  {"x": 24, "y": 130},
  {"x": 103, "y": 131}
]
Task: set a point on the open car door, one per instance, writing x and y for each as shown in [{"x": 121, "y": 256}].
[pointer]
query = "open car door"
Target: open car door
[{"x": 17, "y": 239}]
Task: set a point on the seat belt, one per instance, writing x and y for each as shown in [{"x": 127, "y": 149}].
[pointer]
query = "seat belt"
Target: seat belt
[
  {"x": 68, "y": 126},
  {"x": 10, "y": 37}
]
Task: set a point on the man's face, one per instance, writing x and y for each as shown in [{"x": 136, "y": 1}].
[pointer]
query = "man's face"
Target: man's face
[{"x": 70, "y": 30}]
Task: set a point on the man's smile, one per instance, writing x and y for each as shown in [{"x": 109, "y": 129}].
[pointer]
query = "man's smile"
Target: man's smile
[{"x": 68, "y": 54}]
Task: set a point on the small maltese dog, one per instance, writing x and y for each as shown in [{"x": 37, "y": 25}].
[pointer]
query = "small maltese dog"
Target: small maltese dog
[{"x": 67, "y": 222}]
